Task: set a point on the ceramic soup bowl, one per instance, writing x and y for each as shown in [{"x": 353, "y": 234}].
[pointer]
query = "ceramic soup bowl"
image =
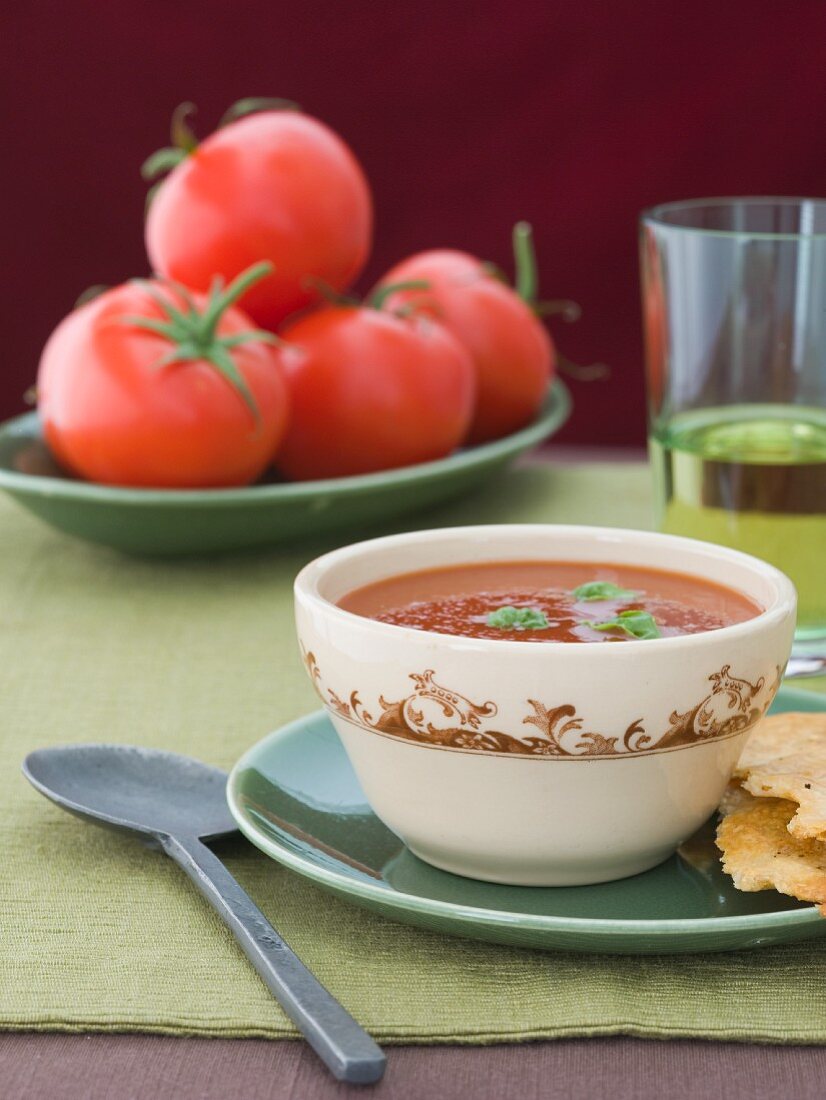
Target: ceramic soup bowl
[{"x": 541, "y": 764}]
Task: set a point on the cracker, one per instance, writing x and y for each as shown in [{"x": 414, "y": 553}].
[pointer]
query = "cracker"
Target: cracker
[
  {"x": 760, "y": 854},
  {"x": 734, "y": 798},
  {"x": 785, "y": 757}
]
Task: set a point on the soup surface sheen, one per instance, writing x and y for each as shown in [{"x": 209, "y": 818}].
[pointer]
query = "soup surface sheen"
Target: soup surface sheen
[{"x": 460, "y": 599}]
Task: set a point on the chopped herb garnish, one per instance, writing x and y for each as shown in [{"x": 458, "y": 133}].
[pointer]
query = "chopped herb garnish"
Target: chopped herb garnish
[
  {"x": 518, "y": 618},
  {"x": 602, "y": 590},
  {"x": 639, "y": 624}
]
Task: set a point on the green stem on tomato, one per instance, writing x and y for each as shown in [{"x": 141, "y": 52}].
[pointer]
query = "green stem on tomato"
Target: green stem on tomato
[
  {"x": 90, "y": 293},
  {"x": 329, "y": 293},
  {"x": 524, "y": 255},
  {"x": 221, "y": 300},
  {"x": 527, "y": 287},
  {"x": 252, "y": 105},
  {"x": 161, "y": 161},
  {"x": 194, "y": 333},
  {"x": 180, "y": 132},
  {"x": 495, "y": 272},
  {"x": 565, "y": 308},
  {"x": 184, "y": 142},
  {"x": 379, "y": 297}
]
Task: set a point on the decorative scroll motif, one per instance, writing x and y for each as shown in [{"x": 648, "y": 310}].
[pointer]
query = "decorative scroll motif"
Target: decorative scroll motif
[
  {"x": 435, "y": 715},
  {"x": 727, "y": 709}
]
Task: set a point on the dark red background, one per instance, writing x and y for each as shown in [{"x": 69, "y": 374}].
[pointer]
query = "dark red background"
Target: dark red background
[{"x": 466, "y": 116}]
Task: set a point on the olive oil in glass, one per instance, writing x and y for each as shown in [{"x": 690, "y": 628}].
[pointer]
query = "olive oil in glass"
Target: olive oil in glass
[
  {"x": 734, "y": 312},
  {"x": 752, "y": 477}
]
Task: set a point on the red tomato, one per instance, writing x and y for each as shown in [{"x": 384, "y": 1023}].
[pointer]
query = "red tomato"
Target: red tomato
[
  {"x": 276, "y": 186},
  {"x": 114, "y": 412},
  {"x": 510, "y": 347},
  {"x": 371, "y": 391}
]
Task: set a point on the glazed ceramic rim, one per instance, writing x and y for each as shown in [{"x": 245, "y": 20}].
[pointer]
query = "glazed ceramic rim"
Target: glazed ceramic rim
[
  {"x": 471, "y": 914},
  {"x": 656, "y": 216},
  {"x": 555, "y": 410},
  {"x": 314, "y": 573}
]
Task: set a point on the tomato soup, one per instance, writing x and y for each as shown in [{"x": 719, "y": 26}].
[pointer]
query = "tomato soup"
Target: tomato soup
[{"x": 553, "y": 601}]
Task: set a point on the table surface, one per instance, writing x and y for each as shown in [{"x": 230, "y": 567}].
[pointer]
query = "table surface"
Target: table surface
[
  {"x": 143, "y": 1067},
  {"x": 133, "y": 1067}
]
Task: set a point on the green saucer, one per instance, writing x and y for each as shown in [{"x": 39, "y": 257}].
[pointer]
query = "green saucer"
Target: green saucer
[
  {"x": 296, "y": 797},
  {"x": 203, "y": 521}
]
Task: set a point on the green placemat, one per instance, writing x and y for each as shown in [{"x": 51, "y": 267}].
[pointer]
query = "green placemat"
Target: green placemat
[{"x": 98, "y": 933}]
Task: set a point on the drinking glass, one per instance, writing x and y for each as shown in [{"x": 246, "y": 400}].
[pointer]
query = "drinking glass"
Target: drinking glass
[{"x": 734, "y": 312}]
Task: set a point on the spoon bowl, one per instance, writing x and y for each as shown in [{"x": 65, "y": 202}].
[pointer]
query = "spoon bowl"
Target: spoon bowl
[{"x": 134, "y": 789}]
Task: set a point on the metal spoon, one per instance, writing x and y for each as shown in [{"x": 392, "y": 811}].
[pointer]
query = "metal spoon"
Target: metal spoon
[
  {"x": 805, "y": 664},
  {"x": 178, "y": 802}
]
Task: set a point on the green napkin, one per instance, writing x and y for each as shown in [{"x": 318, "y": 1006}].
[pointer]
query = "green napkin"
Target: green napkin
[{"x": 99, "y": 934}]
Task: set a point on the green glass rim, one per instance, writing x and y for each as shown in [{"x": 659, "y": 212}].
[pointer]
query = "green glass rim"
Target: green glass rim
[
  {"x": 555, "y": 410},
  {"x": 658, "y": 216},
  {"x": 345, "y": 884}
]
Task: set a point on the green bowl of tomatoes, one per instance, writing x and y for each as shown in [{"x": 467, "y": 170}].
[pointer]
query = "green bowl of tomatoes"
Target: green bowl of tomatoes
[
  {"x": 241, "y": 396},
  {"x": 268, "y": 513}
]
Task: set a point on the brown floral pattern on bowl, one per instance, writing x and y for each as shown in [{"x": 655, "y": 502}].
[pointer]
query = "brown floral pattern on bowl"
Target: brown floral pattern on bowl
[{"x": 435, "y": 715}]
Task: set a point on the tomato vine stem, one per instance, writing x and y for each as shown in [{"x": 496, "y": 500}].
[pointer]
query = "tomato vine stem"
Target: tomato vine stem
[
  {"x": 193, "y": 332},
  {"x": 379, "y": 297},
  {"x": 524, "y": 255},
  {"x": 527, "y": 286},
  {"x": 253, "y": 105},
  {"x": 184, "y": 140},
  {"x": 329, "y": 293}
]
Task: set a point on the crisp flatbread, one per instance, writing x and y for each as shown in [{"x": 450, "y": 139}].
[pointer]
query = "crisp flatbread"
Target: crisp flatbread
[
  {"x": 759, "y": 852},
  {"x": 785, "y": 757},
  {"x": 734, "y": 798}
]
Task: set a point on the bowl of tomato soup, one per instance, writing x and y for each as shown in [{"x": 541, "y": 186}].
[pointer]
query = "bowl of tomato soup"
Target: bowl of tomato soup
[{"x": 543, "y": 705}]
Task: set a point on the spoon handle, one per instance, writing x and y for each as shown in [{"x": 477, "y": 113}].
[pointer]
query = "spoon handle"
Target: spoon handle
[{"x": 344, "y": 1046}]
